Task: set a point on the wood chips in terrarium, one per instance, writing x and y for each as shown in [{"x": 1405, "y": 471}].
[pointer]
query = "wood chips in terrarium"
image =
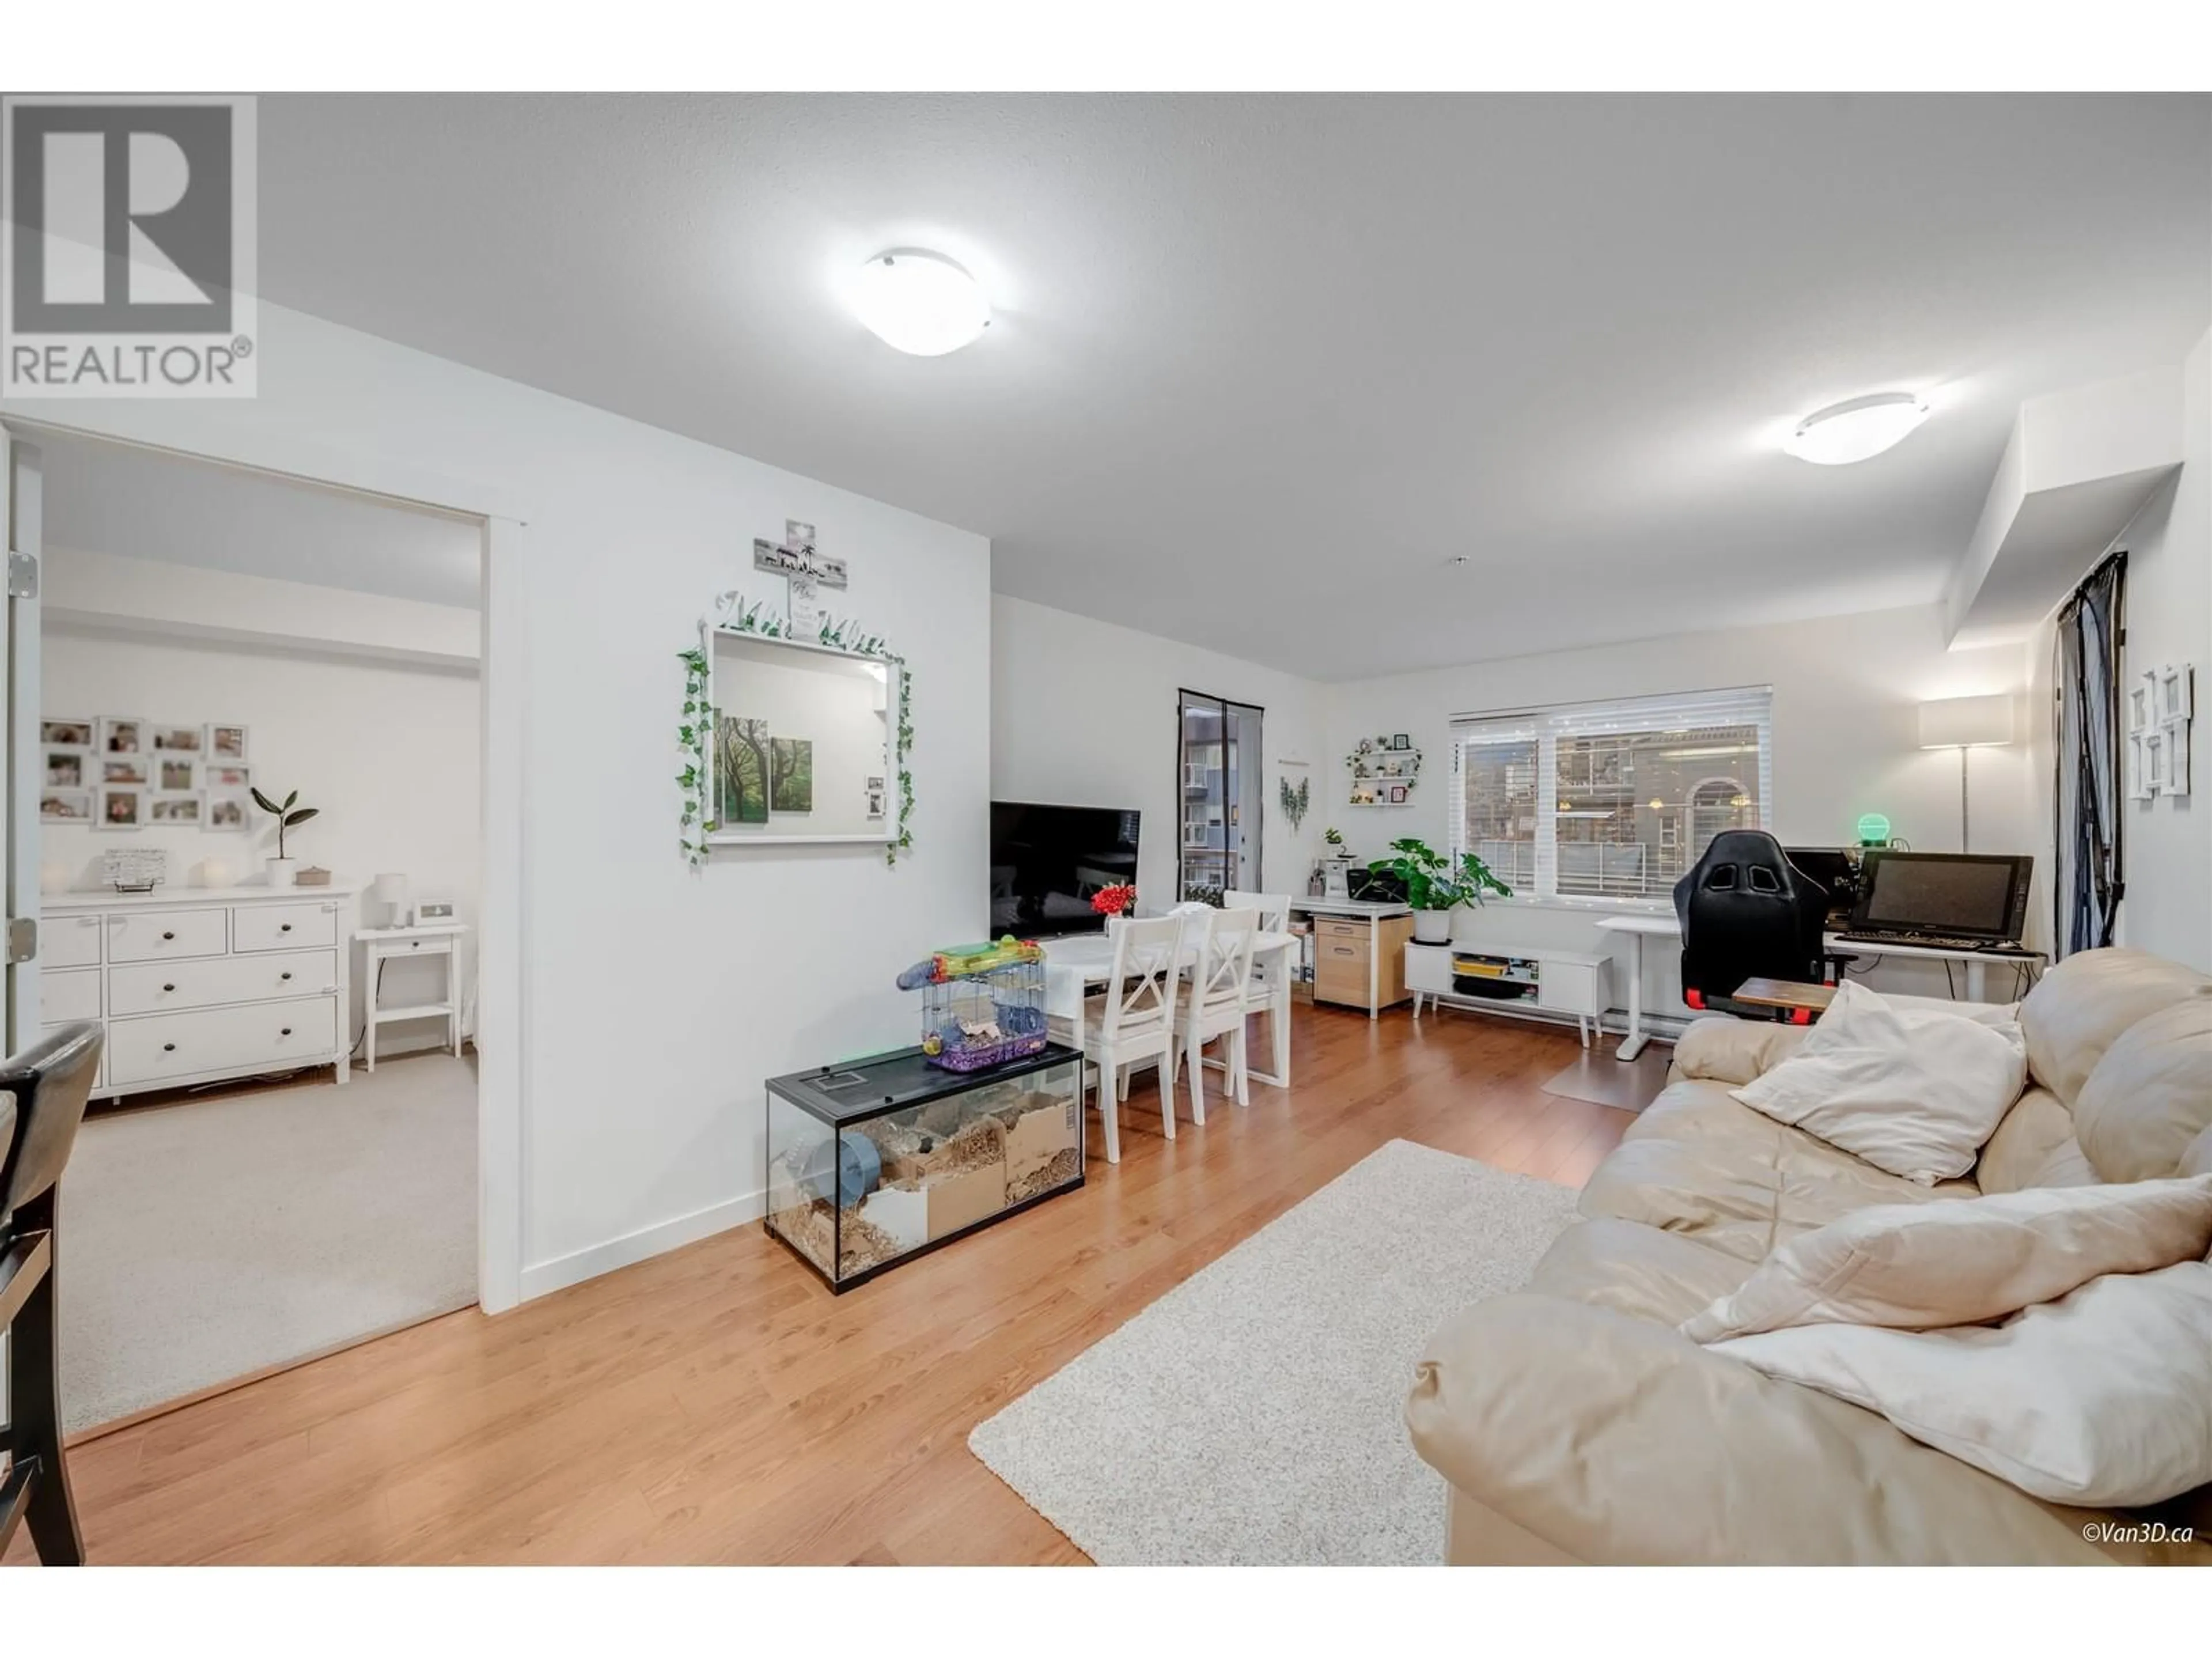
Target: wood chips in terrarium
[
  {"x": 1058, "y": 1172},
  {"x": 808, "y": 1227}
]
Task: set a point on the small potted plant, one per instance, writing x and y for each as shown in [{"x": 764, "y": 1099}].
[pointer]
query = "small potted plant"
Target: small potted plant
[
  {"x": 1435, "y": 887},
  {"x": 1337, "y": 849},
  {"x": 282, "y": 869}
]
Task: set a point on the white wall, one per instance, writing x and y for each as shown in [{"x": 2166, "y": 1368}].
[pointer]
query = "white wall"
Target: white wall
[
  {"x": 153, "y": 596},
  {"x": 387, "y": 752},
  {"x": 655, "y": 999},
  {"x": 1847, "y": 733},
  {"x": 1084, "y": 713},
  {"x": 2167, "y": 907}
]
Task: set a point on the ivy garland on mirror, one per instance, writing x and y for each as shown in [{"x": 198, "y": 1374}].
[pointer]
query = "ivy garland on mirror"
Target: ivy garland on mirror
[{"x": 695, "y": 725}]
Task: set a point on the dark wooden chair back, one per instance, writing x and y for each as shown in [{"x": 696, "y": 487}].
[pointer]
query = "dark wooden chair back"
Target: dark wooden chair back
[{"x": 46, "y": 1086}]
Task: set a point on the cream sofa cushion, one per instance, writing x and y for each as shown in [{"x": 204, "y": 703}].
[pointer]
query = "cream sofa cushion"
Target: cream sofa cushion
[
  {"x": 2150, "y": 1096},
  {"x": 2080, "y": 1007},
  {"x": 1636, "y": 1270},
  {"x": 1695, "y": 1162},
  {"x": 1614, "y": 1440},
  {"x": 2033, "y": 1145},
  {"x": 1723, "y": 1050},
  {"x": 1914, "y": 1092},
  {"x": 1923, "y": 1265},
  {"x": 2102, "y": 1397}
]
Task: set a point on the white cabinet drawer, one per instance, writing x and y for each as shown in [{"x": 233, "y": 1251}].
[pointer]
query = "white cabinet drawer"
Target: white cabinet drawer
[
  {"x": 271, "y": 1034},
  {"x": 153, "y": 988},
  {"x": 67, "y": 997},
  {"x": 69, "y": 942},
  {"x": 1428, "y": 968},
  {"x": 154, "y": 935},
  {"x": 283, "y": 926},
  {"x": 1570, "y": 987}
]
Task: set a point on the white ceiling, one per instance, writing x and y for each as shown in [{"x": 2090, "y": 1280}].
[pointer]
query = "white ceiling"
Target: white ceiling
[
  {"x": 142, "y": 504},
  {"x": 1262, "y": 366}
]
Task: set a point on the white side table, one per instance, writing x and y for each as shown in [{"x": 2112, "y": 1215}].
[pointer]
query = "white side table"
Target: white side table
[{"x": 383, "y": 944}]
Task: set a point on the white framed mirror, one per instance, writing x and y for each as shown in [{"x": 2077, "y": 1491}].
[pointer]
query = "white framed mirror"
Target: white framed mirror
[{"x": 804, "y": 743}]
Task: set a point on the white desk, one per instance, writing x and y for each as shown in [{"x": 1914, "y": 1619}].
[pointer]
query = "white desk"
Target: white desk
[
  {"x": 1073, "y": 966},
  {"x": 1374, "y": 912},
  {"x": 383, "y": 944},
  {"x": 1637, "y": 928}
]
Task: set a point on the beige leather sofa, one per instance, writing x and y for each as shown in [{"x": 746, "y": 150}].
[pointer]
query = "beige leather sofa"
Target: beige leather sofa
[{"x": 1574, "y": 1424}]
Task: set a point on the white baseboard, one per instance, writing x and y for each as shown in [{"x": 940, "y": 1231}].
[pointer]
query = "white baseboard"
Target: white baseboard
[{"x": 542, "y": 1278}]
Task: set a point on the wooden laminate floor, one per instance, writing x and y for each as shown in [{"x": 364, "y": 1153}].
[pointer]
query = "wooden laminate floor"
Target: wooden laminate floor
[{"x": 718, "y": 1404}]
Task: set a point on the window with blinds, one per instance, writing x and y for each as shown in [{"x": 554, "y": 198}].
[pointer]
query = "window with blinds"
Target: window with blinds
[{"x": 1611, "y": 799}]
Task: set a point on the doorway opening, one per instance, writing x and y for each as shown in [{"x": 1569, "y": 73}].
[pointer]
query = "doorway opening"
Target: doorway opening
[{"x": 260, "y": 833}]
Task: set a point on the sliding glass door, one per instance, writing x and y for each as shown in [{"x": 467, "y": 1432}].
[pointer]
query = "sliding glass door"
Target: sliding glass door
[{"x": 1218, "y": 773}]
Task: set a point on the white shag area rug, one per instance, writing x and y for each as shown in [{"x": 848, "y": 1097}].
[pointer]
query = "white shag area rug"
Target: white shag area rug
[
  {"x": 208, "y": 1240},
  {"x": 1254, "y": 1414}
]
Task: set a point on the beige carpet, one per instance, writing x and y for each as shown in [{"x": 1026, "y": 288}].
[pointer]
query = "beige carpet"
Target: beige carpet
[
  {"x": 1254, "y": 1414},
  {"x": 204, "y": 1241}
]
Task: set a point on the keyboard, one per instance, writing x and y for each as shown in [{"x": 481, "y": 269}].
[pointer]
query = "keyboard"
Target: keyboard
[{"x": 1935, "y": 942}]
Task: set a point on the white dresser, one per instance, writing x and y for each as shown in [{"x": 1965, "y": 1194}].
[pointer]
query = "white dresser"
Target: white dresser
[{"x": 196, "y": 984}]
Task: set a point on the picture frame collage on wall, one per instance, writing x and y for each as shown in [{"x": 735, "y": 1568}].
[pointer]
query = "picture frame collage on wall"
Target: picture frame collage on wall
[
  {"x": 2161, "y": 705},
  {"x": 123, "y": 772}
]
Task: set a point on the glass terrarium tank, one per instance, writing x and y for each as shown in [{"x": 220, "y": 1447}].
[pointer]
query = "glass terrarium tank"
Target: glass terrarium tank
[{"x": 872, "y": 1162}]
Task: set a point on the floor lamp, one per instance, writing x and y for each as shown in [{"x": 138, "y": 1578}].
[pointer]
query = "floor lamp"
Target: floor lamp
[{"x": 1964, "y": 723}]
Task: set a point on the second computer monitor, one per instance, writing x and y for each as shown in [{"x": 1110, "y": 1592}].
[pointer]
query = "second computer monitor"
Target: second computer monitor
[{"x": 1969, "y": 894}]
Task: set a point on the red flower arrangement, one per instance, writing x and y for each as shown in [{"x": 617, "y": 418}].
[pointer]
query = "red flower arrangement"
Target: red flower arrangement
[{"x": 1116, "y": 901}]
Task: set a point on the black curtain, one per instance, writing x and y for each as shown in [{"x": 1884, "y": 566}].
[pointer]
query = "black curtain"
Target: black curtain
[{"x": 2086, "y": 886}]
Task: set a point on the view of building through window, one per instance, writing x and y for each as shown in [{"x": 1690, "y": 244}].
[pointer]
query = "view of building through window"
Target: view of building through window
[{"x": 1614, "y": 801}]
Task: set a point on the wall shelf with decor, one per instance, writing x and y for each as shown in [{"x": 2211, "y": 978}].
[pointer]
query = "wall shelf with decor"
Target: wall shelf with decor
[{"x": 1384, "y": 770}]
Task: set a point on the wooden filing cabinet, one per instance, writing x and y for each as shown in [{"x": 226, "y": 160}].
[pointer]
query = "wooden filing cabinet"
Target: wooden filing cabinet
[{"x": 1355, "y": 955}]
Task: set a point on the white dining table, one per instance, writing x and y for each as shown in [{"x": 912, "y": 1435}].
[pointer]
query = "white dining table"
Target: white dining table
[{"x": 1078, "y": 964}]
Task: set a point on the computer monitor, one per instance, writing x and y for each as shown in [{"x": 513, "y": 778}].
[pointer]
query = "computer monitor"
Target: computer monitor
[{"x": 1970, "y": 895}]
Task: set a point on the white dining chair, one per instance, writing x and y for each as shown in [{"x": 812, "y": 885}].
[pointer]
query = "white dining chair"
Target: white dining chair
[
  {"x": 1134, "y": 1019},
  {"x": 1270, "y": 991},
  {"x": 1213, "y": 1007}
]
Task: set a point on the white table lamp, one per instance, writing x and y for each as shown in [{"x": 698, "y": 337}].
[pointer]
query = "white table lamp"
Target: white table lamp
[
  {"x": 390, "y": 892},
  {"x": 1964, "y": 723}
]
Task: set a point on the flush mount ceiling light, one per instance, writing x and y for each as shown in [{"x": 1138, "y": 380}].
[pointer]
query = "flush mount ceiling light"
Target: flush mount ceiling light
[
  {"x": 1858, "y": 430},
  {"x": 920, "y": 302}
]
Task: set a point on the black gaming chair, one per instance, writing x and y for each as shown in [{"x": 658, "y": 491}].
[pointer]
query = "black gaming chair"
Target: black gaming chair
[{"x": 1747, "y": 913}]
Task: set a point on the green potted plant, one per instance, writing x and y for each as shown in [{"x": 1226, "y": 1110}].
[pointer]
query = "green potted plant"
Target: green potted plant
[
  {"x": 1435, "y": 886},
  {"x": 282, "y": 869}
]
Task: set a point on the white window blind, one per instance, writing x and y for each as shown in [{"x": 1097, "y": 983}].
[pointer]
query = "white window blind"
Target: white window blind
[{"x": 1611, "y": 799}]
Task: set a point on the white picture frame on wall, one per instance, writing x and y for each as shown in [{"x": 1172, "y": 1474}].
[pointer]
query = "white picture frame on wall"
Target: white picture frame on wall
[
  {"x": 225, "y": 743},
  {"x": 72, "y": 806},
  {"x": 226, "y": 812},
  {"x": 121, "y": 810},
  {"x": 122, "y": 734}
]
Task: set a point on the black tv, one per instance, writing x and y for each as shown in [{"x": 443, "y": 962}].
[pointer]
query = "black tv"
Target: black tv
[{"x": 1046, "y": 861}]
